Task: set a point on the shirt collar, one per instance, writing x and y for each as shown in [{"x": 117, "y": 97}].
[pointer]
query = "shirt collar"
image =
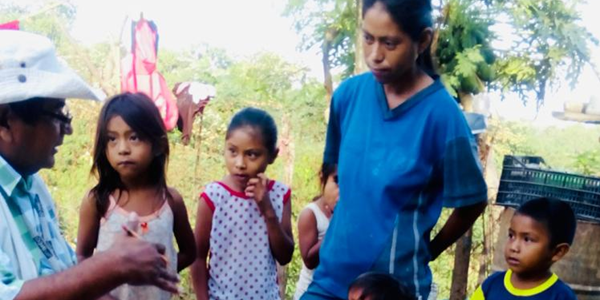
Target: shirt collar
[{"x": 10, "y": 178}]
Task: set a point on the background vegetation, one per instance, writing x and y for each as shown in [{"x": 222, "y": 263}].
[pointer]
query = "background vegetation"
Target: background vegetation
[{"x": 468, "y": 64}]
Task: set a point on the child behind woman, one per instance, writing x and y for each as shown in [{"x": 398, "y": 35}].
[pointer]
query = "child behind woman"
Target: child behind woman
[
  {"x": 244, "y": 220},
  {"x": 130, "y": 157},
  {"x": 312, "y": 225},
  {"x": 541, "y": 233}
]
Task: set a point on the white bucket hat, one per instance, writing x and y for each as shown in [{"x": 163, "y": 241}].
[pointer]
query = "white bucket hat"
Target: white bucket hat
[{"x": 29, "y": 68}]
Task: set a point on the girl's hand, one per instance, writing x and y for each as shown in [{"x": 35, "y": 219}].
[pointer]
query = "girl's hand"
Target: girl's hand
[{"x": 257, "y": 189}]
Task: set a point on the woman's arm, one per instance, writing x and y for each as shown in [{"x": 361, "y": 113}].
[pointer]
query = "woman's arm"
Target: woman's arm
[
  {"x": 89, "y": 224},
  {"x": 183, "y": 232},
  {"x": 199, "y": 268},
  {"x": 308, "y": 238},
  {"x": 460, "y": 221}
]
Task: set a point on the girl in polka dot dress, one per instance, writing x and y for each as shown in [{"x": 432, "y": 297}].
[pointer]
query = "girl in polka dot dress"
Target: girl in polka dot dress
[{"x": 244, "y": 221}]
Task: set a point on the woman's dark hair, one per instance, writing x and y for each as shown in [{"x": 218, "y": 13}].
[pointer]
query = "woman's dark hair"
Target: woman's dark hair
[
  {"x": 412, "y": 17},
  {"x": 381, "y": 286},
  {"x": 327, "y": 169},
  {"x": 140, "y": 113},
  {"x": 257, "y": 119}
]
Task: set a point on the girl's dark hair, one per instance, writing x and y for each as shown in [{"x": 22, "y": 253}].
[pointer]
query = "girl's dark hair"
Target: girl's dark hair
[
  {"x": 381, "y": 286},
  {"x": 257, "y": 119},
  {"x": 140, "y": 113},
  {"x": 412, "y": 16},
  {"x": 327, "y": 169}
]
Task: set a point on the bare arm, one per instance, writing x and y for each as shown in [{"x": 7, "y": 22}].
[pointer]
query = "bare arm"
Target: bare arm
[
  {"x": 280, "y": 234},
  {"x": 281, "y": 240},
  {"x": 89, "y": 225},
  {"x": 87, "y": 235},
  {"x": 308, "y": 239},
  {"x": 199, "y": 269},
  {"x": 129, "y": 261},
  {"x": 460, "y": 221},
  {"x": 183, "y": 233}
]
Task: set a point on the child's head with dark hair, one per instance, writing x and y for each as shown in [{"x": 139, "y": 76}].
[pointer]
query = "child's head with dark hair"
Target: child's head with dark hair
[
  {"x": 330, "y": 191},
  {"x": 540, "y": 234},
  {"x": 327, "y": 170},
  {"x": 378, "y": 286},
  {"x": 250, "y": 145},
  {"x": 556, "y": 215},
  {"x": 141, "y": 149},
  {"x": 260, "y": 121}
]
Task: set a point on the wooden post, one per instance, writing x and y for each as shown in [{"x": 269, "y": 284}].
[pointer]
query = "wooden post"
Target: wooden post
[
  {"x": 198, "y": 145},
  {"x": 288, "y": 154},
  {"x": 462, "y": 254},
  {"x": 460, "y": 274}
]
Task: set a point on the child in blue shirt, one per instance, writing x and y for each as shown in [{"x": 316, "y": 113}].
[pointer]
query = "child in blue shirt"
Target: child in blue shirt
[{"x": 540, "y": 234}]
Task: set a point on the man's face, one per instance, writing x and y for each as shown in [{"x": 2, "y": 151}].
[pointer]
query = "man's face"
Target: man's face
[{"x": 34, "y": 145}]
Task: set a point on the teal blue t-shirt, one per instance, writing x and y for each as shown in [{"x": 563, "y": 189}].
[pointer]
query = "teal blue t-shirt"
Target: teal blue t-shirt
[
  {"x": 499, "y": 287},
  {"x": 396, "y": 169}
]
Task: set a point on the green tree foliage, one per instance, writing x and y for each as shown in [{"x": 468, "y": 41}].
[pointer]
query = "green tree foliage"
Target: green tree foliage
[
  {"x": 202, "y": 63},
  {"x": 588, "y": 162},
  {"x": 331, "y": 25},
  {"x": 549, "y": 39},
  {"x": 462, "y": 48}
]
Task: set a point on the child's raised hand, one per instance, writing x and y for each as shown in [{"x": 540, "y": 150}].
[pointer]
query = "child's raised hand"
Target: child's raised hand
[{"x": 257, "y": 188}]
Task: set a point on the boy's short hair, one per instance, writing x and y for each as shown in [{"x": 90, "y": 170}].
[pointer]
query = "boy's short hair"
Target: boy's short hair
[
  {"x": 381, "y": 286},
  {"x": 556, "y": 215}
]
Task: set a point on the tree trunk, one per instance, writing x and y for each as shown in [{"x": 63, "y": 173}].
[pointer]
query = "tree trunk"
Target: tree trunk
[
  {"x": 466, "y": 100},
  {"x": 327, "y": 78},
  {"x": 485, "y": 148},
  {"x": 484, "y": 262},
  {"x": 359, "y": 58},
  {"x": 460, "y": 274},
  {"x": 288, "y": 154}
]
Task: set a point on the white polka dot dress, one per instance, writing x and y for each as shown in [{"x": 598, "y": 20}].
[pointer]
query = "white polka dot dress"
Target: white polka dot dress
[{"x": 241, "y": 265}]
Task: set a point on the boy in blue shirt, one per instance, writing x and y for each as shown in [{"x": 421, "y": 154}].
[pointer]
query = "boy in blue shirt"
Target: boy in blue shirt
[{"x": 540, "y": 234}]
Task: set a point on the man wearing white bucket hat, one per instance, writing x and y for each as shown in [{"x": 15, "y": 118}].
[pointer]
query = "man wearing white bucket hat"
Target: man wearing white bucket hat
[{"x": 35, "y": 260}]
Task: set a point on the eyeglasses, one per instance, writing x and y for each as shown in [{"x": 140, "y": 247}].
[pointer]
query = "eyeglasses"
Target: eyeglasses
[{"x": 63, "y": 116}]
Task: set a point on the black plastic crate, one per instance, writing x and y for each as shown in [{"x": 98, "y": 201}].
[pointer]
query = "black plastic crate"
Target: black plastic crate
[
  {"x": 523, "y": 160},
  {"x": 523, "y": 179}
]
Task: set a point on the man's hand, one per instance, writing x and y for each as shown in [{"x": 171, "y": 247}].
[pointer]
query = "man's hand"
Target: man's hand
[{"x": 143, "y": 263}]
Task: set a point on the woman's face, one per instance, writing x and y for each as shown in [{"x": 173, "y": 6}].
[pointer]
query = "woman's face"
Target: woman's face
[{"x": 389, "y": 51}]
